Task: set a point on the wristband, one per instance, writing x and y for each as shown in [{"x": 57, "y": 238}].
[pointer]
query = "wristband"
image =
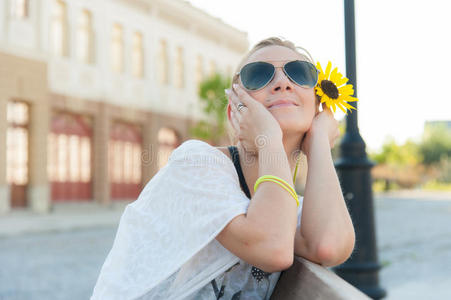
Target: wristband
[{"x": 280, "y": 182}]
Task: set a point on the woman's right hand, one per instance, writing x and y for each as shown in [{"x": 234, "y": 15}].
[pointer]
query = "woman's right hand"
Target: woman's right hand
[{"x": 255, "y": 125}]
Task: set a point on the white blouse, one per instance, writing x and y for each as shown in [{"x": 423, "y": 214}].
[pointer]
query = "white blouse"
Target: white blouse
[{"x": 165, "y": 246}]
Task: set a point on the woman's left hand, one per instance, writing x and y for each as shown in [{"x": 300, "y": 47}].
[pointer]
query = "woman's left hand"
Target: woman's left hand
[{"x": 323, "y": 126}]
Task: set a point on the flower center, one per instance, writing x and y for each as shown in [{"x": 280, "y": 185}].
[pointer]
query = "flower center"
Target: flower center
[{"x": 330, "y": 89}]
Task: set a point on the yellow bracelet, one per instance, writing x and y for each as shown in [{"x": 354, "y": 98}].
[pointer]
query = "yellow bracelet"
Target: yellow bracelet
[{"x": 280, "y": 182}]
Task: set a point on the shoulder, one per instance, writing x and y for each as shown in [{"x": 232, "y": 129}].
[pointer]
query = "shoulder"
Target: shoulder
[{"x": 193, "y": 150}]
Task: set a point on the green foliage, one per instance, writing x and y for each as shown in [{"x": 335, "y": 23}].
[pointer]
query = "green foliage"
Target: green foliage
[
  {"x": 426, "y": 164},
  {"x": 398, "y": 155},
  {"x": 436, "y": 144},
  {"x": 214, "y": 104}
]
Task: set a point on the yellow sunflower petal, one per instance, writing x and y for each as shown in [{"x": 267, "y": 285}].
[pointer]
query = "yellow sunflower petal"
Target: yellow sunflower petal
[
  {"x": 342, "y": 108},
  {"x": 348, "y": 106},
  {"x": 329, "y": 66},
  {"x": 318, "y": 66},
  {"x": 350, "y": 99},
  {"x": 342, "y": 81},
  {"x": 333, "y": 75},
  {"x": 346, "y": 90},
  {"x": 333, "y": 107},
  {"x": 346, "y": 87},
  {"x": 319, "y": 92}
]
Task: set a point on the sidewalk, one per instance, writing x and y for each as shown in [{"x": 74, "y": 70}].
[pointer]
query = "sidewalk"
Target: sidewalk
[
  {"x": 76, "y": 215},
  {"x": 63, "y": 217},
  {"x": 415, "y": 194}
]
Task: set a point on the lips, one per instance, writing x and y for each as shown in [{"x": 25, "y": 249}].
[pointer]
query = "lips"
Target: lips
[{"x": 282, "y": 103}]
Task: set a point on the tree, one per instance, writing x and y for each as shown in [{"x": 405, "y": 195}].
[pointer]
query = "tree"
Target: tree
[
  {"x": 436, "y": 144},
  {"x": 214, "y": 104}
]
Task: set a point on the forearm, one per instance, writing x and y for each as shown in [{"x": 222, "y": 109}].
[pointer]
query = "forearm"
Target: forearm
[
  {"x": 326, "y": 225},
  {"x": 272, "y": 208}
]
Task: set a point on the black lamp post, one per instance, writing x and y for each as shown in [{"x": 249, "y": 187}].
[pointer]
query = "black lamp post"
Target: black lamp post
[{"x": 353, "y": 168}]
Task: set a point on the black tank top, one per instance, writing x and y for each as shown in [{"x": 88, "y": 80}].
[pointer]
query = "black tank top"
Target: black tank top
[{"x": 236, "y": 161}]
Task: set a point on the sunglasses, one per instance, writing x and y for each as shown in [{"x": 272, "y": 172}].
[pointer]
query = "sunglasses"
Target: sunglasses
[{"x": 256, "y": 75}]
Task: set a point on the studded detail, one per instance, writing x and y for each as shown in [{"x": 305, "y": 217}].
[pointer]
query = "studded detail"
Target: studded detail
[{"x": 259, "y": 274}]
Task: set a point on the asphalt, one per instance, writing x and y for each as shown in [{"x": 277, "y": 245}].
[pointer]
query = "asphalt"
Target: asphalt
[{"x": 66, "y": 247}]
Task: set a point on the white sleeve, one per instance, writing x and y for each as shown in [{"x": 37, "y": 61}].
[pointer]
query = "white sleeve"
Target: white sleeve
[
  {"x": 301, "y": 201},
  {"x": 181, "y": 210}
]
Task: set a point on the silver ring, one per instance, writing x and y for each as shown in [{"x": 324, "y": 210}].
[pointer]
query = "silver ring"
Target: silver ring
[{"x": 240, "y": 106}]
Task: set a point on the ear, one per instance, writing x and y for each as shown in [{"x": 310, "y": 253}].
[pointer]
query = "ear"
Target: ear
[{"x": 229, "y": 109}]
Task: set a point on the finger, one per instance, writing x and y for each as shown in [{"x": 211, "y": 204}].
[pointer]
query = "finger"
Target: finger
[
  {"x": 244, "y": 97},
  {"x": 236, "y": 112},
  {"x": 235, "y": 124},
  {"x": 237, "y": 100}
]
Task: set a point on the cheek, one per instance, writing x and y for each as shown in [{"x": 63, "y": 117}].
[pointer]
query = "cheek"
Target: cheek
[
  {"x": 308, "y": 100},
  {"x": 260, "y": 95}
]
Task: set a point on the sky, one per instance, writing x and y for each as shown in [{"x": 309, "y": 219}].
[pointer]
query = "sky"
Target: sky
[{"x": 403, "y": 50}]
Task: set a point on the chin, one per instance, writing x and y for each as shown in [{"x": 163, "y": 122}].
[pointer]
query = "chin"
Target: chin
[{"x": 299, "y": 127}]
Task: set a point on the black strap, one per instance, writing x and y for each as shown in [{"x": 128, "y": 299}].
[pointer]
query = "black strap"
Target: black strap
[{"x": 236, "y": 161}]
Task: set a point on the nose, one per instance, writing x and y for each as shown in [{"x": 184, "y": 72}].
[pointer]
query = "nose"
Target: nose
[{"x": 281, "y": 82}]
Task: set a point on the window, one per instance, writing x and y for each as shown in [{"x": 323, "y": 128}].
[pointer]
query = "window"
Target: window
[
  {"x": 19, "y": 9},
  {"x": 163, "y": 63},
  {"x": 199, "y": 70},
  {"x": 17, "y": 143},
  {"x": 117, "y": 49},
  {"x": 85, "y": 38},
  {"x": 180, "y": 69},
  {"x": 59, "y": 29},
  {"x": 138, "y": 55}
]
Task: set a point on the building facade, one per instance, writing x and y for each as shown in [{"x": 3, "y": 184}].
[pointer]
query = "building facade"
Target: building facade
[{"x": 94, "y": 95}]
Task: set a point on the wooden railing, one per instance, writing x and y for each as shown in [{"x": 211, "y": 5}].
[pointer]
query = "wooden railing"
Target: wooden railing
[{"x": 309, "y": 281}]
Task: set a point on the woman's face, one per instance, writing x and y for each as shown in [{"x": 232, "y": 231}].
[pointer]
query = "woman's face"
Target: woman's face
[{"x": 292, "y": 118}]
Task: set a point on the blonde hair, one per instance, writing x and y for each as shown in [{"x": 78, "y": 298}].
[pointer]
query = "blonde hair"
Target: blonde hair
[{"x": 271, "y": 41}]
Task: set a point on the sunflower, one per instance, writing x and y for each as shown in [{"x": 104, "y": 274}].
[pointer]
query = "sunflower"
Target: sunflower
[{"x": 333, "y": 90}]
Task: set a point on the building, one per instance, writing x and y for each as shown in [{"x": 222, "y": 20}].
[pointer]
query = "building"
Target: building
[{"x": 94, "y": 95}]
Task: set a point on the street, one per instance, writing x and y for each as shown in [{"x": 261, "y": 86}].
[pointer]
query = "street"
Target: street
[{"x": 414, "y": 242}]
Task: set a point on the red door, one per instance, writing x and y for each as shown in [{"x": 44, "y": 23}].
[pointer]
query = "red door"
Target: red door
[
  {"x": 125, "y": 161},
  {"x": 69, "y": 158},
  {"x": 17, "y": 152}
]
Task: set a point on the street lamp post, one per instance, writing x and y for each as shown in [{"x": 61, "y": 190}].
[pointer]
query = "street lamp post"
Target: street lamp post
[{"x": 353, "y": 168}]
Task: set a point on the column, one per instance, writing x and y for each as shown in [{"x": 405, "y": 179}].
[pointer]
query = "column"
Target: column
[
  {"x": 4, "y": 188},
  {"x": 39, "y": 126},
  {"x": 101, "y": 179}
]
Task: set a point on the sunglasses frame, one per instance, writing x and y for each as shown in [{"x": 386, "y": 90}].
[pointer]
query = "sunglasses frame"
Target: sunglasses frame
[{"x": 284, "y": 71}]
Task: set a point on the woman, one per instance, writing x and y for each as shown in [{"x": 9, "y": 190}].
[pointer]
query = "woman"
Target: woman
[{"x": 194, "y": 234}]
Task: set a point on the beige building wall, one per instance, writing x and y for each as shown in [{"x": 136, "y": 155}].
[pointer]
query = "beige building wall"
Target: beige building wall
[
  {"x": 26, "y": 80},
  {"x": 49, "y": 83}
]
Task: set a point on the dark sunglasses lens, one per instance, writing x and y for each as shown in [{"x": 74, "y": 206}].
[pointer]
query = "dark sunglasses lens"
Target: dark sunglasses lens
[
  {"x": 256, "y": 75},
  {"x": 302, "y": 72}
]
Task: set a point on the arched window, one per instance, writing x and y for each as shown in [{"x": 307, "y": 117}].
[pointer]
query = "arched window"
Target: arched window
[
  {"x": 138, "y": 55},
  {"x": 117, "y": 49},
  {"x": 59, "y": 29},
  {"x": 85, "y": 38},
  {"x": 17, "y": 143}
]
